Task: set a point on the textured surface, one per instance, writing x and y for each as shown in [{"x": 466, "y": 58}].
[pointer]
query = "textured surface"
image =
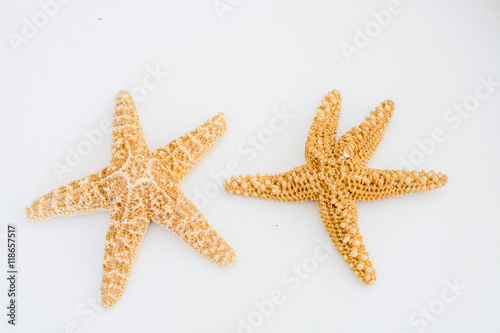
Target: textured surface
[
  {"x": 140, "y": 186},
  {"x": 335, "y": 176}
]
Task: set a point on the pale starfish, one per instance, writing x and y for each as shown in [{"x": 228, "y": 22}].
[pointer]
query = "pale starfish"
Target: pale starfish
[
  {"x": 335, "y": 176},
  {"x": 140, "y": 186}
]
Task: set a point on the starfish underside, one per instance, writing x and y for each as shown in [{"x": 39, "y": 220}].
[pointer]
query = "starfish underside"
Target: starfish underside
[
  {"x": 335, "y": 176},
  {"x": 140, "y": 186}
]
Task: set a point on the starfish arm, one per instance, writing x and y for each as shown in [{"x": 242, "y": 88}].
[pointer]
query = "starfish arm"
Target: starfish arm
[
  {"x": 173, "y": 211},
  {"x": 182, "y": 154},
  {"x": 299, "y": 184},
  {"x": 123, "y": 238},
  {"x": 374, "y": 184},
  {"x": 86, "y": 195},
  {"x": 127, "y": 135},
  {"x": 321, "y": 138},
  {"x": 340, "y": 217},
  {"x": 361, "y": 141}
]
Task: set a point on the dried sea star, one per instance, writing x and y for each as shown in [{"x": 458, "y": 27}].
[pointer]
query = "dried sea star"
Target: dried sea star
[
  {"x": 140, "y": 186},
  {"x": 335, "y": 176}
]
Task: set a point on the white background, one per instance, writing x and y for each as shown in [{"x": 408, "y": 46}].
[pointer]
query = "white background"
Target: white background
[{"x": 261, "y": 56}]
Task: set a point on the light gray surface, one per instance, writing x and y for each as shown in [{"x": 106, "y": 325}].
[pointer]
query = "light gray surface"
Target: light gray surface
[{"x": 263, "y": 56}]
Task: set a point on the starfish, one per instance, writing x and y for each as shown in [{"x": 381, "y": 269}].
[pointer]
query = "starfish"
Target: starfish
[
  {"x": 139, "y": 186},
  {"x": 335, "y": 176}
]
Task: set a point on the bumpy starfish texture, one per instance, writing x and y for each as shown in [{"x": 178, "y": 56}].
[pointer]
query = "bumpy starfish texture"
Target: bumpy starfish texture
[
  {"x": 140, "y": 186},
  {"x": 335, "y": 176}
]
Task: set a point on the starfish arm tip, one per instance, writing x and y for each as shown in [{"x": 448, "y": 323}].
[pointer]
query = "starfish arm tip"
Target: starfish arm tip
[
  {"x": 432, "y": 180},
  {"x": 107, "y": 300},
  {"x": 29, "y": 213},
  {"x": 124, "y": 98},
  {"x": 223, "y": 119},
  {"x": 230, "y": 185},
  {"x": 35, "y": 212},
  {"x": 229, "y": 258},
  {"x": 389, "y": 102},
  {"x": 227, "y": 182},
  {"x": 221, "y": 115},
  {"x": 369, "y": 282},
  {"x": 123, "y": 94},
  {"x": 445, "y": 179}
]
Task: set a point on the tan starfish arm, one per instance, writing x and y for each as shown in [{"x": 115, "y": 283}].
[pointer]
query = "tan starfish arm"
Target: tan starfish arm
[
  {"x": 361, "y": 141},
  {"x": 299, "y": 184},
  {"x": 127, "y": 135},
  {"x": 374, "y": 184},
  {"x": 86, "y": 195},
  {"x": 124, "y": 236},
  {"x": 321, "y": 138},
  {"x": 173, "y": 211},
  {"x": 182, "y": 154},
  {"x": 340, "y": 217}
]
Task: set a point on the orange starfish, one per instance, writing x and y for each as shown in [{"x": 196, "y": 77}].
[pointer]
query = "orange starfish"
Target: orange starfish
[
  {"x": 335, "y": 176},
  {"x": 140, "y": 186}
]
